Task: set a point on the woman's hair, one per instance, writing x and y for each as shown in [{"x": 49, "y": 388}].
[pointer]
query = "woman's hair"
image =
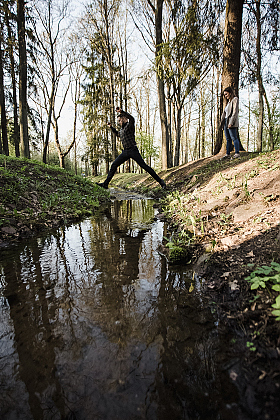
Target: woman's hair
[{"x": 230, "y": 91}]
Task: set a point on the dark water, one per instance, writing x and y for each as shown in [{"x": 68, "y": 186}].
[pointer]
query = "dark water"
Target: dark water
[{"x": 95, "y": 325}]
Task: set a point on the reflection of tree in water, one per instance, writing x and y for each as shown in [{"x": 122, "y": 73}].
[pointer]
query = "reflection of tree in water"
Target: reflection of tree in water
[
  {"x": 49, "y": 294},
  {"x": 32, "y": 318},
  {"x": 184, "y": 381},
  {"x": 116, "y": 241},
  {"x": 105, "y": 320}
]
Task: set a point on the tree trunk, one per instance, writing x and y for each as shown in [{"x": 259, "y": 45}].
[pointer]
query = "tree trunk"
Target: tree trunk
[
  {"x": 260, "y": 121},
  {"x": 75, "y": 158},
  {"x": 249, "y": 121},
  {"x": 59, "y": 150},
  {"x": 76, "y": 98},
  {"x": 109, "y": 58},
  {"x": 23, "y": 121},
  {"x": 231, "y": 57},
  {"x": 160, "y": 83},
  {"x": 232, "y": 44},
  {"x": 107, "y": 154},
  {"x": 259, "y": 78},
  {"x": 169, "y": 126},
  {"x": 178, "y": 136},
  {"x": 47, "y": 137},
  {"x": 199, "y": 131},
  {"x": 212, "y": 113},
  {"x": 16, "y": 135},
  {"x": 62, "y": 155},
  {"x": 112, "y": 112},
  {"x": 219, "y": 132},
  {"x": 187, "y": 134},
  {"x": 2, "y": 103},
  {"x": 270, "y": 122},
  {"x": 195, "y": 149},
  {"x": 203, "y": 122}
]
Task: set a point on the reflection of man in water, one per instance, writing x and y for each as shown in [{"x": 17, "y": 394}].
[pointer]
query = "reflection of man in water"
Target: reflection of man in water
[
  {"x": 125, "y": 243},
  {"x": 130, "y": 149}
]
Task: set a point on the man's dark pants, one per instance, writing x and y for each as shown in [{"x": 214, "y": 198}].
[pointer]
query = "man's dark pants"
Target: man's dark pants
[{"x": 132, "y": 153}]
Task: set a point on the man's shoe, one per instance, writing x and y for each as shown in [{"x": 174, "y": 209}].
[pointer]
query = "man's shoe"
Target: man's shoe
[
  {"x": 101, "y": 184},
  {"x": 236, "y": 156},
  {"x": 225, "y": 157}
]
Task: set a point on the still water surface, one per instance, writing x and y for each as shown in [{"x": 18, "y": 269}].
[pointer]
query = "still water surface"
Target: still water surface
[{"x": 96, "y": 325}]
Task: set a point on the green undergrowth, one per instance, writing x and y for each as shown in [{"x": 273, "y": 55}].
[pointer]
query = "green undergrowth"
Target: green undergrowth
[
  {"x": 33, "y": 193},
  {"x": 267, "y": 277},
  {"x": 178, "y": 244}
]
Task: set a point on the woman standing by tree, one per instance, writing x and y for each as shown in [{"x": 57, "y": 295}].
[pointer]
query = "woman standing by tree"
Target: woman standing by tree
[{"x": 229, "y": 122}]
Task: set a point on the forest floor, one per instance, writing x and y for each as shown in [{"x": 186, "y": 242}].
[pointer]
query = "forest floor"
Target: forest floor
[
  {"x": 233, "y": 207},
  {"x": 232, "y": 210}
]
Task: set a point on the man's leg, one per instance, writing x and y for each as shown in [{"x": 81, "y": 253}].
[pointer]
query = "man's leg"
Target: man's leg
[
  {"x": 117, "y": 162},
  {"x": 134, "y": 154}
]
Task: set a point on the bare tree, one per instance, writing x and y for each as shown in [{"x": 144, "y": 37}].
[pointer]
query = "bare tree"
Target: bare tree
[
  {"x": 52, "y": 61},
  {"x": 261, "y": 39},
  {"x": 23, "y": 108},
  {"x": 4, "y": 136},
  {"x": 74, "y": 84},
  {"x": 76, "y": 71},
  {"x": 9, "y": 19},
  {"x": 148, "y": 18}
]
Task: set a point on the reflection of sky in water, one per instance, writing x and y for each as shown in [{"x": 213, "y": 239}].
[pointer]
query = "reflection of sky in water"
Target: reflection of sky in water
[{"x": 91, "y": 325}]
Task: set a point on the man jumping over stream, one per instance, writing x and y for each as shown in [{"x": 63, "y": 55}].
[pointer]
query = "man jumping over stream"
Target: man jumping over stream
[{"x": 130, "y": 149}]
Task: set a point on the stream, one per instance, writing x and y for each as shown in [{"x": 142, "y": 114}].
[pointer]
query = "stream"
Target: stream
[{"x": 95, "y": 324}]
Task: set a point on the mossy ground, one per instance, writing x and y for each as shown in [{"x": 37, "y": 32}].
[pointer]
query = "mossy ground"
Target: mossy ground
[{"x": 34, "y": 196}]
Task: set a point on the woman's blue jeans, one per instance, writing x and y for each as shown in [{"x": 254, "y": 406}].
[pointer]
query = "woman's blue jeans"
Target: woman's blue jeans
[{"x": 231, "y": 136}]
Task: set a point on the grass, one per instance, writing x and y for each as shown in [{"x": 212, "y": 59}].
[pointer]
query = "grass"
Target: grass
[{"x": 32, "y": 193}]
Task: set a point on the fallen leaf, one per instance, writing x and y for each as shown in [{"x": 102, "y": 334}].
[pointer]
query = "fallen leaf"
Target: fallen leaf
[
  {"x": 233, "y": 285},
  {"x": 226, "y": 274},
  {"x": 191, "y": 288},
  {"x": 250, "y": 254}
]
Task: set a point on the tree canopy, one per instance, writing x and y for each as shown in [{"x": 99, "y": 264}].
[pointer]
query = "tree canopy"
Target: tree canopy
[{"x": 63, "y": 73}]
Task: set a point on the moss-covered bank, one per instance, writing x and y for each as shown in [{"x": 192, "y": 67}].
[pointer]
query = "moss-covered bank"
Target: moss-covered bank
[{"x": 35, "y": 196}]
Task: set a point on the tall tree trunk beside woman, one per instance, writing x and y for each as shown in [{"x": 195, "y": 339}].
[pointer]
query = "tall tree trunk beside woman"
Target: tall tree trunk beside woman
[{"x": 231, "y": 58}]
